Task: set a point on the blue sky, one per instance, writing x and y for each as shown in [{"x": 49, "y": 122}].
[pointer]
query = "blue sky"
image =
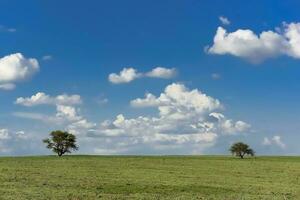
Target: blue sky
[{"x": 163, "y": 47}]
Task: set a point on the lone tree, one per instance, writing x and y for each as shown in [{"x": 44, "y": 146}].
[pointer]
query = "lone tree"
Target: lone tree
[
  {"x": 61, "y": 142},
  {"x": 241, "y": 149}
]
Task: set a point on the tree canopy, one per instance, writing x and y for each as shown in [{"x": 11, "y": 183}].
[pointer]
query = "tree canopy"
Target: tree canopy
[
  {"x": 241, "y": 149},
  {"x": 61, "y": 142}
]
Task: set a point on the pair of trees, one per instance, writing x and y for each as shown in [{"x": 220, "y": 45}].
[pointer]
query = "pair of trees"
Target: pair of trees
[{"x": 61, "y": 142}]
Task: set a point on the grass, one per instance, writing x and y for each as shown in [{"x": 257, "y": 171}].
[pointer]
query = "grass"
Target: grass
[{"x": 139, "y": 177}]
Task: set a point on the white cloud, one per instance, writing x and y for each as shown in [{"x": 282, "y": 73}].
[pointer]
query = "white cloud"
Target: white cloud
[
  {"x": 224, "y": 20},
  {"x": 266, "y": 141},
  {"x": 161, "y": 72},
  {"x": 101, "y": 100},
  {"x": 215, "y": 76},
  {"x": 21, "y": 135},
  {"x": 5, "y": 29},
  {"x": 230, "y": 127},
  {"x": 47, "y": 57},
  {"x": 12, "y": 30},
  {"x": 81, "y": 127},
  {"x": 41, "y": 98},
  {"x": 126, "y": 75},
  {"x": 65, "y": 99},
  {"x": 4, "y": 135},
  {"x": 186, "y": 123},
  {"x": 67, "y": 117},
  {"x": 149, "y": 101},
  {"x": 37, "y": 99},
  {"x": 246, "y": 44},
  {"x": 15, "y": 68},
  {"x": 130, "y": 74},
  {"x": 7, "y": 86},
  {"x": 105, "y": 151},
  {"x": 9, "y": 141},
  {"x": 66, "y": 112},
  {"x": 177, "y": 95},
  {"x": 275, "y": 140},
  {"x": 37, "y": 116}
]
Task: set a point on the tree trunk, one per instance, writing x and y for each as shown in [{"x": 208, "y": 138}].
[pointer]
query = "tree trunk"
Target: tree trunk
[{"x": 242, "y": 155}]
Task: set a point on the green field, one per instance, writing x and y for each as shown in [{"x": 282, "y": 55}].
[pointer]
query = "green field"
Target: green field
[{"x": 165, "y": 177}]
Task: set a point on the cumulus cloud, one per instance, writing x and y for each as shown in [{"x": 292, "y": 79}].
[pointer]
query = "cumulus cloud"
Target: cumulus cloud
[
  {"x": 9, "y": 140},
  {"x": 126, "y": 75},
  {"x": 15, "y": 68},
  {"x": 161, "y": 72},
  {"x": 66, "y": 117},
  {"x": 150, "y": 100},
  {"x": 246, "y": 44},
  {"x": 129, "y": 74},
  {"x": 41, "y": 98},
  {"x": 275, "y": 140},
  {"x": 4, "y": 134},
  {"x": 67, "y": 113},
  {"x": 224, "y": 20},
  {"x": 234, "y": 127},
  {"x": 177, "y": 95},
  {"x": 187, "y": 122}
]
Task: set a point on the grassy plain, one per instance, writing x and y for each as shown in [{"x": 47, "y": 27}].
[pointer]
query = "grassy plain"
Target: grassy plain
[{"x": 146, "y": 177}]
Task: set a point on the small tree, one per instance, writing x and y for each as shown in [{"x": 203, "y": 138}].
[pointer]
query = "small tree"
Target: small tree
[
  {"x": 240, "y": 149},
  {"x": 61, "y": 142}
]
